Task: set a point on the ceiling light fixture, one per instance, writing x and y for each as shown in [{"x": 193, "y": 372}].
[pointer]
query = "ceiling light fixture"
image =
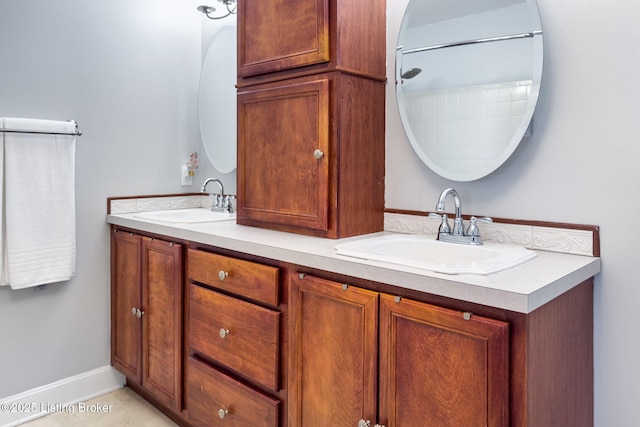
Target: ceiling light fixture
[{"x": 208, "y": 11}]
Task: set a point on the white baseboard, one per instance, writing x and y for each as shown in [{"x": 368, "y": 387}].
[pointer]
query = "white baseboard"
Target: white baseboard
[{"x": 40, "y": 401}]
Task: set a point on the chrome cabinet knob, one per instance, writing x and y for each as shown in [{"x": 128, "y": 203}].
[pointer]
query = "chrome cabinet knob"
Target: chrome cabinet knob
[
  {"x": 137, "y": 312},
  {"x": 367, "y": 423},
  {"x": 222, "y": 413},
  {"x": 223, "y": 274},
  {"x": 224, "y": 332},
  {"x": 318, "y": 154}
]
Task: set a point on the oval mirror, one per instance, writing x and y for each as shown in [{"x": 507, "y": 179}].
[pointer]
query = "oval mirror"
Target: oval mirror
[
  {"x": 217, "y": 100},
  {"x": 467, "y": 81}
]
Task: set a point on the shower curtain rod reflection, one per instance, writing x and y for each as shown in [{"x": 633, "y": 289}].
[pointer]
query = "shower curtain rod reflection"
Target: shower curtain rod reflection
[
  {"x": 75, "y": 132},
  {"x": 470, "y": 42}
]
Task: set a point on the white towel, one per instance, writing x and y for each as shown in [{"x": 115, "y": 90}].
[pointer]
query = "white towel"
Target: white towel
[{"x": 39, "y": 175}]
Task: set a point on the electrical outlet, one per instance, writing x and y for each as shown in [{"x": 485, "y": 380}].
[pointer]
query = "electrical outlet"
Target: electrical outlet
[{"x": 186, "y": 179}]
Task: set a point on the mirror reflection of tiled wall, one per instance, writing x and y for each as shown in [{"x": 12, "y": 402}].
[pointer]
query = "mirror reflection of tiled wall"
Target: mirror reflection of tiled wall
[{"x": 465, "y": 127}]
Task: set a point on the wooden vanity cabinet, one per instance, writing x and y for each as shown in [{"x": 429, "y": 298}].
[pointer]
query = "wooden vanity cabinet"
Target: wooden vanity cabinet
[
  {"x": 233, "y": 333},
  {"x": 435, "y": 366},
  {"x": 320, "y": 352},
  {"x": 322, "y": 35},
  {"x": 311, "y": 155},
  {"x": 146, "y": 314},
  {"x": 311, "y": 115}
]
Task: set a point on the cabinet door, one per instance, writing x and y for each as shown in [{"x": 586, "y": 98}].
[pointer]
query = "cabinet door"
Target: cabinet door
[
  {"x": 126, "y": 330},
  {"x": 439, "y": 369},
  {"x": 332, "y": 353},
  {"x": 282, "y": 180},
  {"x": 162, "y": 320},
  {"x": 281, "y": 34}
]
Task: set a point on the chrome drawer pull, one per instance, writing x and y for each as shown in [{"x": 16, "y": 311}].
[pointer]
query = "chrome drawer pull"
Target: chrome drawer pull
[
  {"x": 223, "y": 275},
  {"x": 224, "y": 332},
  {"x": 222, "y": 413},
  {"x": 318, "y": 154},
  {"x": 137, "y": 312}
]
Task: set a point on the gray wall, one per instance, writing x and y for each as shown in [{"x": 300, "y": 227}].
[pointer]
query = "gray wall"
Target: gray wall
[
  {"x": 580, "y": 166},
  {"x": 127, "y": 70}
]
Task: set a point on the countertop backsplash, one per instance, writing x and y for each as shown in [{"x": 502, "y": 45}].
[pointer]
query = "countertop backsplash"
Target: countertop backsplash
[{"x": 562, "y": 238}]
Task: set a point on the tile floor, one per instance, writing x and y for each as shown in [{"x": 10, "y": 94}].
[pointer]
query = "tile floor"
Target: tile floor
[{"x": 122, "y": 407}]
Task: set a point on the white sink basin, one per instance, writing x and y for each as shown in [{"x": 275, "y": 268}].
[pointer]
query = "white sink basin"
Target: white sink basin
[
  {"x": 186, "y": 215},
  {"x": 427, "y": 253}
]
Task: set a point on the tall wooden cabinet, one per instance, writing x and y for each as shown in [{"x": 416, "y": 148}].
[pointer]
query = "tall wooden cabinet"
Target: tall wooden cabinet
[
  {"x": 435, "y": 366},
  {"x": 146, "y": 314},
  {"x": 311, "y": 116},
  {"x": 321, "y": 35}
]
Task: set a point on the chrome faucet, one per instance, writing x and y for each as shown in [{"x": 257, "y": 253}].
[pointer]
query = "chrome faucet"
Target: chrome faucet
[
  {"x": 458, "y": 235},
  {"x": 221, "y": 202},
  {"x": 458, "y": 225}
]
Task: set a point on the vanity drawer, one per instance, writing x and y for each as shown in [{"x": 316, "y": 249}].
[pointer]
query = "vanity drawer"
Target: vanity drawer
[
  {"x": 235, "y": 333},
  {"x": 249, "y": 279},
  {"x": 210, "y": 393}
]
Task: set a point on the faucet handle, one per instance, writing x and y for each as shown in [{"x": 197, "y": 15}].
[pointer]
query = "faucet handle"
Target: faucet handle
[
  {"x": 444, "y": 226},
  {"x": 473, "y": 229},
  {"x": 216, "y": 200},
  {"x": 484, "y": 219},
  {"x": 227, "y": 203}
]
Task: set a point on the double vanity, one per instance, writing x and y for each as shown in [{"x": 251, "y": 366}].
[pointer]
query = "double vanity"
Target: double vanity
[
  {"x": 315, "y": 306},
  {"x": 223, "y": 324}
]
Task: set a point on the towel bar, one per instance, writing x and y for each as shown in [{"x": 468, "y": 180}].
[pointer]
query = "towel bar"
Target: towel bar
[{"x": 76, "y": 132}]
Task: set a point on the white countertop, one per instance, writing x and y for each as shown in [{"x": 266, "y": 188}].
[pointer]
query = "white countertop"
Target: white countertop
[{"x": 523, "y": 288}]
